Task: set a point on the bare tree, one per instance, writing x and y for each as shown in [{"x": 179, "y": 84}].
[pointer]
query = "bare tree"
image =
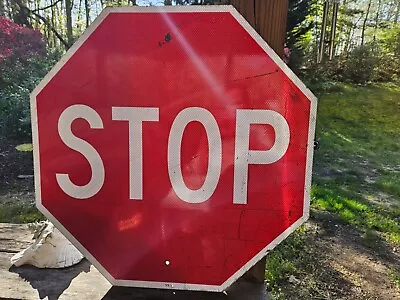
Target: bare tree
[
  {"x": 34, "y": 15},
  {"x": 68, "y": 14},
  {"x": 365, "y": 22},
  {"x": 2, "y": 8},
  {"x": 377, "y": 18},
  {"x": 87, "y": 13},
  {"x": 397, "y": 13}
]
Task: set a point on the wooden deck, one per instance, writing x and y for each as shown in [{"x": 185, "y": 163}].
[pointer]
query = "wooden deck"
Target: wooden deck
[{"x": 83, "y": 281}]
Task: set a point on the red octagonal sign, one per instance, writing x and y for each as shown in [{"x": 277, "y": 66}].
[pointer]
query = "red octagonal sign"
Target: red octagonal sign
[{"x": 173, "y": 147}]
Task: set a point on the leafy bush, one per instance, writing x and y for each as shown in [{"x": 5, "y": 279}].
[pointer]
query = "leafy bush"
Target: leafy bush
[
  {"x": 361, "y": 64},
  {"x": 23, "y": 63},
  {"x": 324, "y": 77},
  {"x": 18, "y": 42},
  {"x": 22, "y": 78},
  {"x": 389, "y": 59},
  {"x": 364, "y": 64},
  {"x": 387, "y": 68}
]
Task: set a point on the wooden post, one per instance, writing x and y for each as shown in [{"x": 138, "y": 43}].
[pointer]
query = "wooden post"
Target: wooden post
[
  {"x": 257, "y": 273},
  {"x": 268, "y": 17}
]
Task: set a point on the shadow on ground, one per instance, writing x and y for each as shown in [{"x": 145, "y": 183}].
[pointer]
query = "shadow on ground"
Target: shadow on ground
[{"x": 51, "y": 283}]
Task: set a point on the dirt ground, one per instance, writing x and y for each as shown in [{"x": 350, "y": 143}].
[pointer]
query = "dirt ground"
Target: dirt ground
[
  {"x": 338, "y": 262},
  {"x": 16, "y": 195},
  {"x": 12, "y": 164}
]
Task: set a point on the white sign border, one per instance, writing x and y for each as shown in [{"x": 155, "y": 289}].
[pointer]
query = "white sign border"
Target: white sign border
[{"x": 181, "y": 9}]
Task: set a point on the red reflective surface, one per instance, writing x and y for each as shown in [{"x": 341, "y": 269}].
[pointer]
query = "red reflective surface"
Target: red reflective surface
[{"x": 172, "y": 61}]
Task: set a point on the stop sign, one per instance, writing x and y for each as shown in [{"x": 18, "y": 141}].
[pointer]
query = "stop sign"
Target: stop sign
[{"x": 173, "y": 147}]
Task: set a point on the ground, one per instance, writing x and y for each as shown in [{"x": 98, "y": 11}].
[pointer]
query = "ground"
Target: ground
[
  {"x": 350, "y": 247},
  {"x": 16, "y": 195}
]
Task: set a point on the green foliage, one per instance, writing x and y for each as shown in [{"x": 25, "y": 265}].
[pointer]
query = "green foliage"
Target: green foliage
[
  {"x": 23, "y": 63},
  {"x": 360, "y": 64},
  {"x": 377, "y": 60},
  {"x": 20, "y": 214},
  {"x": 389, "y": 58},
  {"x": 390, "y": 39},
  {"x": 396, "y": 277},
  {"x": 299, "y": 35},
  {"x": 297, "y": 23},
  {"x": 283, "y": 260},
  {"x": 363, "y": 65},
  {"x": 322, "y": 78},
  {"x": 14, "y": 109},
  {"x": 19, "y": 79}
]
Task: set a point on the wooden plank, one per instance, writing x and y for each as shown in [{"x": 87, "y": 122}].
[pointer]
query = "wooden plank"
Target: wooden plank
[
  {"x": 14, "y": 238},
  {"x": 257, "y": 273},
  {"x": 246, "y": 9},
  {"x": 268, "y": 18}
]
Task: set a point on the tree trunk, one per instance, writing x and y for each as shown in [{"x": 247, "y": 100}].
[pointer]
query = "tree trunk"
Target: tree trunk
[
  {"x": 9, "y": 10},
  {"x": 34, "y": 15},
  {"x": 53, "y": 23},
  {"x": 397, "y": 14},
  {"x": 377, "y": 18},
  {"x": 79, "y": 16},
  {"x": 68, "y": 13},
  {"x": 348, "y": 41},
  {"x": 19, "y": 15},
  {"x": 333, "y": 30},
  {"x": 87, "y": 12},
  {"x": 45, "y": 12},
  {"x": 2, "y": 8},
  {"x": 365, "y": 23},
  {"x": 321, "y": 50}
]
